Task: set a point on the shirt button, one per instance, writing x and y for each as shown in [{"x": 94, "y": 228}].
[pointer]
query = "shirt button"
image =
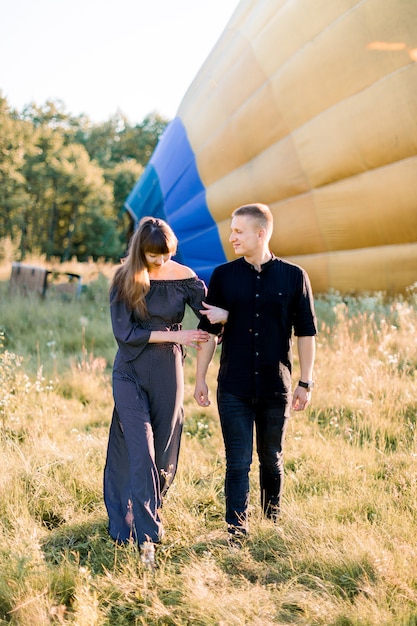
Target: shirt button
[
  {"x": 256, "y": 295},
  {"x": 256, "y": 314},
  {"x": 256, "y": 353},
  {"x": 256, "y": 373}
]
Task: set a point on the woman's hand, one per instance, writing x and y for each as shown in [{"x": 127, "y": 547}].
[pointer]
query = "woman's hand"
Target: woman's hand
[
  {"x": 191, "y": 337},
  {"x": 215, "y": 314}
]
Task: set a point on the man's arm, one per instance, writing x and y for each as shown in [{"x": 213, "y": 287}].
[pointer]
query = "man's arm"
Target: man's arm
[
  {"x": 204, "y": 357},
  {"x": 215, "y": 314},
  {"x": 306, "y": 354}
]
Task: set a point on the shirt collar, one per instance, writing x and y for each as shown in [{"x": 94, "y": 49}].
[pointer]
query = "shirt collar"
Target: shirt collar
[{"x": 263, "y": 266}]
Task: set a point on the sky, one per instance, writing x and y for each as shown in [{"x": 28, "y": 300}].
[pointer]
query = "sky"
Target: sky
[{"x": 100, "y": 57}]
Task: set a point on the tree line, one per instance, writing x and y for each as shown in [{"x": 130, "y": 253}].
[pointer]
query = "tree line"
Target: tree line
[{"x": 64, "y": 179}]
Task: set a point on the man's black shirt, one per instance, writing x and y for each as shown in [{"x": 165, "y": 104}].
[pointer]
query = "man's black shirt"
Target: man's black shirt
[{"x": 264, "y": 309}]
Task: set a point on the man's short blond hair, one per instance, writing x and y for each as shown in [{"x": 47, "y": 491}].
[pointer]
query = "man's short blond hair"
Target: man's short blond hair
[{"x": 259, "y": 212}]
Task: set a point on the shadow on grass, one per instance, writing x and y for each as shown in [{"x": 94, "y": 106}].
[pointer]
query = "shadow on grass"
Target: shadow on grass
[{"x": 86, "y": 544}]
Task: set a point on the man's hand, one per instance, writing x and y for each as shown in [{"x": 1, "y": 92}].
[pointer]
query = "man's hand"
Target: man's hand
[
  {"x": 204, "y": 357},
  {"x": 201, "y": 393},
  {"x": 214, "y": 314},
  {"x": 301, "y": 398}
]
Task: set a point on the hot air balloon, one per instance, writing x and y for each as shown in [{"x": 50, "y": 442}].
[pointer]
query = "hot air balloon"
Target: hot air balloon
[{"x": 311, "y": 108}]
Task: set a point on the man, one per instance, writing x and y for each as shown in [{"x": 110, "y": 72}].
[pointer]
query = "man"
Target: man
[{"x": 254, "y": 303}]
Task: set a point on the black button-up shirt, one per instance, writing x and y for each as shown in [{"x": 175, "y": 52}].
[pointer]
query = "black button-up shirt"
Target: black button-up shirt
[{"x": 264, "y": 309}]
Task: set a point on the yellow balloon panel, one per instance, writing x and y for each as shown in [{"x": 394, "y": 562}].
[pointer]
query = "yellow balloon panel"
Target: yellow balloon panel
[
  {"x": 253, "y": 109},
  {"x": 274, "y": 174},
  {"x": 372, "y": 209},
  {"x": 290, "y": 28},
  {"x": 343, "y": 59},
  {"x": 310, "y": 107},
  {"x": 332, "y": 147},
  {"x": 297, "y": 228},
  {"x": 270, "y": 31},
  {"x": 386, "y": 268},
  {"x": 375, "y": 208},
  {"x": 236, "y": 142},
  {"x": 376, "y": 127}
]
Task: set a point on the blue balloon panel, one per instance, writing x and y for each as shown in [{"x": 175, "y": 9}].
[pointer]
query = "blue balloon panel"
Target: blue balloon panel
[
  {"x": 171, "y": 188},
  {"x": 146, "y": 193}
]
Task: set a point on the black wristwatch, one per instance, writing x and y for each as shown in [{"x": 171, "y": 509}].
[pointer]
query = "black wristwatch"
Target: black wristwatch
[{"x": 308, "y": 385}]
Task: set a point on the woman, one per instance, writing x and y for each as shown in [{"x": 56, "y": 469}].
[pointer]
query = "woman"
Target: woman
[{"x": 148, "y": 295}]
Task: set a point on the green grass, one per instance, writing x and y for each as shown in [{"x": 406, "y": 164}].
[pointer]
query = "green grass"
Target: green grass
[{"x": 344, "y": 552}]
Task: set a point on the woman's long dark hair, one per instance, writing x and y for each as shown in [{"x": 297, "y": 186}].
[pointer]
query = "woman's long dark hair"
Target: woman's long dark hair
[{"x": 131, "y": 280}]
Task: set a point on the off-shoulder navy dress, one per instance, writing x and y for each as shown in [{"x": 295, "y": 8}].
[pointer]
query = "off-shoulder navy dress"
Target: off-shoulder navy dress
[{"x": 148, "y": 391}]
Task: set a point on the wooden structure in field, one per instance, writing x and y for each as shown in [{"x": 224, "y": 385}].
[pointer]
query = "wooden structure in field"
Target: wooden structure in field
[{"x": 28, "y": 279}]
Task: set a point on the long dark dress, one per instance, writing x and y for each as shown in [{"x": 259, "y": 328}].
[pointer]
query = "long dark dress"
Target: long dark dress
[{"x": 148, "y": 390}]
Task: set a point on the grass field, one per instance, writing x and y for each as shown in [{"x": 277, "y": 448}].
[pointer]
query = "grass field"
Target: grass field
[{"x": 344, "y": 552}]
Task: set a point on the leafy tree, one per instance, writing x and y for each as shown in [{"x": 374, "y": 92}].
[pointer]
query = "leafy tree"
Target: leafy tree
[
  {"x": 83, "y": 192},
  {"x": 14, "y": 141},
  {"x": 116, "y": 141},
  {"x": 138, "y": 142},
  {"x": 64, "y": 180},
  {"x": 99, "y": 139},
  {"x": 41, "y": 171},
  {"x": 51, "y": 114},
  {"x": 97, "y": 237},
  {"x": 123, "y": 177}
]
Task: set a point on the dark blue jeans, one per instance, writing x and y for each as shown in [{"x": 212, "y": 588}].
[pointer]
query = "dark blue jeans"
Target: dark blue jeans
[{"x": 238, "y": 416}]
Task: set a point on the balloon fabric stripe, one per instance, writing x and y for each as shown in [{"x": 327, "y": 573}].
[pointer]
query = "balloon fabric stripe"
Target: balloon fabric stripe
[{"x": 171, "y": 188}]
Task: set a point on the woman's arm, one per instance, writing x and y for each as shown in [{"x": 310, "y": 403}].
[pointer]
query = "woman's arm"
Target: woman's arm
[{"x": 191, "y": 338}]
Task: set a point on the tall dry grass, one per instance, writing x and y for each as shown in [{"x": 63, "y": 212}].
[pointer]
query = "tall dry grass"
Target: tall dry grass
[{"x": 344, "y": 552}]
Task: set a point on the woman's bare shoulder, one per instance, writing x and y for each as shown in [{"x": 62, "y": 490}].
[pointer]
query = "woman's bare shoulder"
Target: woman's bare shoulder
[{"x": 181, "y": 271}]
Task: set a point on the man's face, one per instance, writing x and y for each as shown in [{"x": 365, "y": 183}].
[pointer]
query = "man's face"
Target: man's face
[{"x": 245, "y": 236}]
